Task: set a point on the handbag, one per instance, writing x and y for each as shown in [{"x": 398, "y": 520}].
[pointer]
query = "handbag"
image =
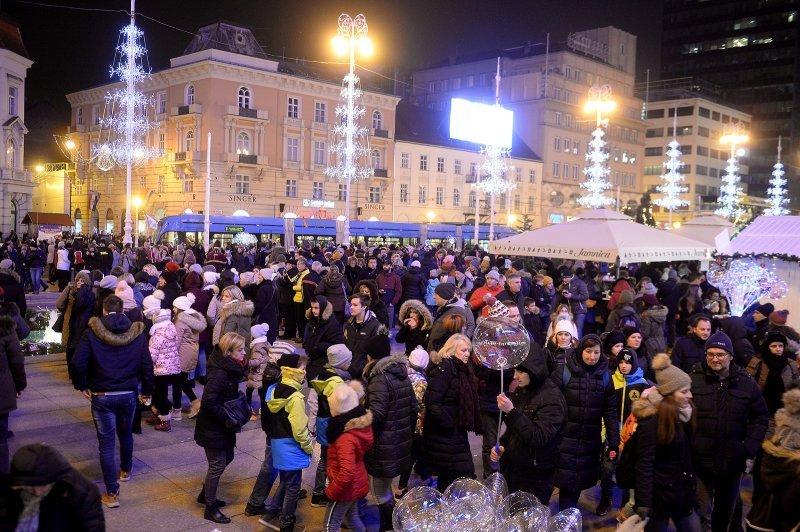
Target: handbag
[
  {"x": 346, "y": 306},
  {"x": 237, "y": 412},
  {"x": 58, "y": 326}
]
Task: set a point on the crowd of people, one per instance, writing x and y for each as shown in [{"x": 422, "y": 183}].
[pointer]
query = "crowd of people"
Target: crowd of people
[{"x": 641, "y": 371}]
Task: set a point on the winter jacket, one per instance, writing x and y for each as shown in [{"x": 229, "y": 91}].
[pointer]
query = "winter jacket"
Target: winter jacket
[
  {"x": 78, "y": 310},
  {"x": 418, "y": 336},
  {"x": 112, "y": 356},
  {"x": 172, "y": 291},
  {"x": 590, "y": 404},
  {"x": 391, "y": 285},
  {"x": 542, "y": 298},
  {"x": 390, "y": 398},
  {"x": 419, "y": 383},
  {"x": 621, "y": 315},
  {"x": 413, "y": 284},
  {"x": 12, "y": 366},
  {"x": 438, "y": 334},
  {"x": 688, "y": 351},
  {"x": 334, "y": 286},
  {"x": 356, "y": 337},
  {"x": 555, "y": 356},
  {"x": 297, "y": 286},
  {"x": 739, "y": 334},
  {"x": 789, "y": 378},
  {"x": 286, "y": 410},
  {"x": 653, "y": 320},
  {"x": 10, "y": 309},
  {"x": 257, "y": 364},
  {"x": 732, "y": 420},
  {"x": 376, "y": 304},
  {"x": 776, "y": 484},
  {"x": 620, "y": 285},
  {"x": 320, "y": 334},
  {"x": 349, "y": 438},
  {"x": 628, "y": 388},
  {"x": 580, "y": 293},
  {"x": 665, "y": 480},
  {"x": 476, "y": 299},
  {"x": 222, "y": 385},
  {"x": 310, "y": 282},
  {"x": 235, "y": 317},
  {"x": 324, "y": 385},
  {"x": 188, "y": 326},
  {"x": 164, "y": 341}
]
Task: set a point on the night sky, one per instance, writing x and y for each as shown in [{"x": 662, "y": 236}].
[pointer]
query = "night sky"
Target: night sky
[{"x": 72, "y": 49}]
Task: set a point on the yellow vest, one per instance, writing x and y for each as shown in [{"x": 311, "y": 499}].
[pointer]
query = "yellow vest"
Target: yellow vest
[{"x": 298, "y": 287}]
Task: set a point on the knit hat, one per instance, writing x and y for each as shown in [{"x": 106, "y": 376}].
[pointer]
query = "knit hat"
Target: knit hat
[
  {"x": 379, "y": 346},
  {"x": 172, "y": 267},
  {"x": 670, "y": 378},
  {"x": 649, "y": 288},
  {"x": 564, "y": 325},
  {"x": 259, "y": 330},
  {"x": 498, "y": 310},
  {"x": 650, "y": 300},
  {"x": 628, "y": 355},
  {"x": 775, "y": 336},
  {"x": 493, "y": 274},
  {"x": 210, "y": 277},
  {"x": 626, "y": 296},
  {"x": 125, "y": 293},
  {"x": 628, "y": 331},
  {"x": 7, "y": 264},
  {"x": 339, "y": 356},
  {"x": 267, "y": 273},
  {"x": 419, "y": 357},
  {"x": 721, "y": 340},
  {"x": 184, "y": 302},
  {"x": 109, "y": 282},
  {"x": 779, "y": 317},
  {"x": 445, "y": 290},
  {"x": 168, "y": 276},
  {"x": 196, "y": 268},
  {"x": 611, "y": 339},
  {"x": 416, "y": 264},
  {"x": 280, "y": 348},
  {"x": 766, "y": 309},
  {"x": 345, "y": 397},
  {"x": 152, "y": 303},
  {"x": 247, "y": 278}
]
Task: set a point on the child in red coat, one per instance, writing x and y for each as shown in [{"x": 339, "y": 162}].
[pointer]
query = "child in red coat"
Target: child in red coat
[{"x": 349, "y": 437}]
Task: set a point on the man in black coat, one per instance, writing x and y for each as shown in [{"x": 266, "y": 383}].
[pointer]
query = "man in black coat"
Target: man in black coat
[
  {"x": 413, "y": 283},
  {"x": 732, "y": 420},
  {"x": 322, "y": 331},
  {"x": 11, "y": 284},
  {"x": 111, "y": 360},
  {"x": 690, "y": 350},
  {"x": 359, "y": 329}
]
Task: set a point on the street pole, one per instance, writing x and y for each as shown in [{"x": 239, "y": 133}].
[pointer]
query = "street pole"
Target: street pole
[
  {"x": 126, "y": 239},
  {"x": 207, "y": 209},
  {"x": 136, "y": 232},
  {"x": 349, "y": 135}
]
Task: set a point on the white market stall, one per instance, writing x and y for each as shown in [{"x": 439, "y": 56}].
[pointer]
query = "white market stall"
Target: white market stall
[
  {"x": 712, "y": 230},
  {"x": 603, "y": 235},
  {"x": 775, "y": 236}
]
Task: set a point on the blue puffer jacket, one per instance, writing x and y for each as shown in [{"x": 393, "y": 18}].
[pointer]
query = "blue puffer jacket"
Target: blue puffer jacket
[{"x": 288, "y": 424}]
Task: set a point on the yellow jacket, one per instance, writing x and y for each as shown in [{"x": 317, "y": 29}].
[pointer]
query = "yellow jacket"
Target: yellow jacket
[{"x": 298, "y": 287}]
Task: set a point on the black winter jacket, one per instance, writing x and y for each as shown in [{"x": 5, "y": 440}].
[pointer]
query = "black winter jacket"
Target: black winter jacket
[
  {"x": 266, "y": 308},
  {"x": 321, "y": 333},
  {"x": 12, "y": 366},
  {"x": 688, "y": 351},
  {"x": 356, "y": 337},
  {"x": 740, "y": 335},
  {"x": 418, "y": 336},
  {"x": 414, "y": 285},
  {"x": 12, "y": 288},
  {"x": 333, "y": 287},
  {"x": 732, "y": 420},
  {"x": 222, "y": 385},
  {"x": 394, "y": 408}
]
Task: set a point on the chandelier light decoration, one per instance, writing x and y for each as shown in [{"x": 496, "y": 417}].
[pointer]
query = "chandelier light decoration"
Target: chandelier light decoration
[
  {"x": 744, "y": 281},
  {"x": 777, "y": 191},
  {"x": 730, "y": 201},
  {"x": 597, "y": 172},
  {"x": 495, "y": 168}
]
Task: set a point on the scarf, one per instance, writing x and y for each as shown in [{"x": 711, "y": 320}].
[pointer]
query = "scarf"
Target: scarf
[
  {"x": 31, "y": 508},
  {"x": 685, "y": 413},
  {"x": 774, "y": 385},
  {"x": 469, "y": 409}
]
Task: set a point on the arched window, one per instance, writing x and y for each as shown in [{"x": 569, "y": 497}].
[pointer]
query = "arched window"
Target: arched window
[
  {"x": 14, "y": 215},
  {"x": 78, "y": 221},
  {"x": 244, "y": 97},
  {"x": 377, "y": 120},
  {"x": 189, "y": 144},
  {"x": 109, "y": 221},
  {"x": 11, "y": 153},
  {"x": 376, "y": 159},
  {"x": 243, "y": 143},
  {"x": 189, "y": 97}
]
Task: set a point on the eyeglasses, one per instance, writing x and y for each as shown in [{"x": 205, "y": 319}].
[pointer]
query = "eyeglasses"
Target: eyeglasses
[{"x": 718, "y": 356}]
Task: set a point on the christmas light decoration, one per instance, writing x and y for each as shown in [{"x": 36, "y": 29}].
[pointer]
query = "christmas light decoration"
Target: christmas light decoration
[
  {"x": 597, "y": 172},
  {"x": 777, "y": 189},
  {"x": 495, "y": 167},
  {"x": 744, "y": 281},
  {"x": 730, "y": 201},
  {"x": 245, "y": 239},
  {"x": 351, "y": 147},
  {"x": 672, "y": 188}
]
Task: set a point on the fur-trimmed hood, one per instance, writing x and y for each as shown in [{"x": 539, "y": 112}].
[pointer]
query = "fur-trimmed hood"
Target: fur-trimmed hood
[
  {"x": 647, "y": 405},
  {"x": 7, "y": 327},
  {"x": 237, "y": 308},
  {"x": 360, "y": 422},
  {"x": 4, "y": 272},
  {"x": 325, "y": 313},
  {"x": 115, "y": 329},
  {"x": 421, "y": 308},
  {"x": 373, "y": 288},
  {"x": 193, "y": 320},
  {"x": 656, "y": 312}
]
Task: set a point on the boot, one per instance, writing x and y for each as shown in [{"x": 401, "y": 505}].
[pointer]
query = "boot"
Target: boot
[
  {"x": 385, "y": 511},
  {"x": 212, "y": 513},
  {"x": 194, "y": 409},
  {"x": 604, "y": 505},
  {"x": 164, "y": 423},
  {"x": 201, "y": 498}
]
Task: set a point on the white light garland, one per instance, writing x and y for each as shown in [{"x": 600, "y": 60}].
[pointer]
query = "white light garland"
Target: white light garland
[
  {"x": 777, "y": 190},
  {"x": 672, "y": 188},
  {"x": 597, "y": 173}
]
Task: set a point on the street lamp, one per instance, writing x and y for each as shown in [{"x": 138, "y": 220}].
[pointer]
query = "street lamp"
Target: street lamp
[
  {"x": 730, "y": 203},
  {"x": 353, "y": 142},
  {"x": 597, "y": 172},
  {"x": 137, "y": 202}
]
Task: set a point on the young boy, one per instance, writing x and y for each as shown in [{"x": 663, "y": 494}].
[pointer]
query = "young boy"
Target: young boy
[{"x": 532, "y": 321}]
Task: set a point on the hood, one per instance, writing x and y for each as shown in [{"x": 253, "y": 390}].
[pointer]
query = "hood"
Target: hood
[
  {"x": 326, "y": 309},
  {"x": 656, "y": 312},
  {"x": 734, "y": 327},
  {"x": 373, "y": 288},
  {"x": 37, "y": 464},
  {"x": 237, "y": 308},
  {"x": 421, "y": 308},
  {"x": 460, "y": 303},
  {"x": 577, "y": 367},
  {"x": 358, "y": 421},
  {"x": 647, "y": 405},
  {"x": 333, "y": 279},
  {"x": 194, "y": 320},
  {"x": 289, "y": 377},
  {"x": 115, "y": 329},
  {"x": 7, "y": 326},
  {"x": 396, "y": 365},
  {"x": 192, "y": 280},
  {"x": 8, "y": 308},
  {"x": 5, "y": 274},
  {"x": 625, "y": 309}
]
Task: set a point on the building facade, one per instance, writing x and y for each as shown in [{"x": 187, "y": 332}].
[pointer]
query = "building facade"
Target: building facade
[
  {"x": 547, "y": 90},
  {"x": 16, "y": 184},
  {"x": 271, "y": 133}
]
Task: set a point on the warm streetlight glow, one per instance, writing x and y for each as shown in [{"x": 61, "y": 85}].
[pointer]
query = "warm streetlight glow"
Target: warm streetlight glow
[
  {"x": 365, "y": 46},
  {"x": 70, "y": 144},
  {"x": 600, "y": 101},
  {"x": 341, "y": 218},
  {"x": 137, "y": 201},
  {"x": 431, "y": 215},
  {"x": 734, "y": 137},
  {"x": 39, "y": 168},
  {"x": 340, "y": 45},
  {"x": 373, "y": 219},
  {"x": 512, "y": 219},
  {"x": 676, "y": 225}
]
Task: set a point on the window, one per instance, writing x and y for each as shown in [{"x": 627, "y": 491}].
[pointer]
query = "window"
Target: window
[
  {"x": 702, "y": 111},
  {"x": 616, "y": 155},
  {"x": 188, "y": 98},
  {"x": 633, "y": 180},
  {"x": 557, "y": 143},
  {"x": 624, "y": 180},
  {"x": 472, "y": 199},
  {"x": 242, "y": 184},
  {"x": 686, "y": 150},
  {"x": 162, "y": 142},
  {"x": 160, "y": 186},
  {"x": 423, "y": 162},
  {"x": 439, "y": 195},
  {"x": 403, "y": 193},
  {"x": 404, "y": 160},
  {"x": 575, "y": 172},
  {"x": 320, "y": 112},
  {"x": 377, "y": 120},
  {"x": 701, "y": 169},
  {"x": 243, "y": 143},
  {"x": 576, "y": 147},
  {"x": 291, "y": 188},
  {"x": 376, "y": 159},
  {"x": 702, "y": 150},
  {"x": 13, "y": 93},
  {"x": 244, "y": 97},
  {"x": 319, "y": 152},
  {"x": 566, "y": 171},
  {"x": 457, "y": 167},
  {"x": 616, "y": 178},
  {"x": 567, "y": 145},
  {"x": 188, "y": 144},
  {"x": 517, "y": 202},
  {"x": 440, "y": 164},
  {"x": 374, "y": 194},
  {"x": 110, "y": 183},
  {"x": 456, "y": 197},
  {"x": 142, "y": 182},
  {"x": 79, "y": 116},
  {"x": 293, "y": 107},
  {"x": 318, "y": 190},
  {"x": 655, "y": 113},
  {"x": 703, "y": 131},
  {"x": 188, "y": 185},
  {"x": 531, "y": 202},
  {"x": 423, "y": 195},
  {"x": 518, "y": 172},
  {"x": 654, "y": 152},
  {"x": 532, "y": 176},
  {"x": 568, "y": 120},
  {"x": 558, "y": 116},
  {"x": 342, "y": 192},
  {"x": 556, "y": 169},
  {"x": 473, "y": 169},
  {"x": 161, "y": 103},
  {"x": 293, "y": 150},
  {"x": 96, "y": 115},
  {"x": 655, "y": 133}
]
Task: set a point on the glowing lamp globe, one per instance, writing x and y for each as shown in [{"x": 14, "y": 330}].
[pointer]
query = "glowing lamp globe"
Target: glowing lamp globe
[
  {"x": 500, "y": 343},
  {"x": 421, "y": 509}
]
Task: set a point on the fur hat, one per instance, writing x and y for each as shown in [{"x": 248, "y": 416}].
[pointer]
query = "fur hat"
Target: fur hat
[
  {"x": 7, "y": 264},
  {"x": 779, "y": 317},
  {"x": 670, "y": 378},
  {"x": 721, "y": 340},
  {"x": 339, "y": 356},
  {"x": 445, "y": 290},
  {"x": 419, "y": 358},
  {"x": 85, "y": 275},
  {"x": 259, "y": 330},
  {"x": 210, "y": 277},
  {"x": 628, "y": 355},
  {"x": 628, "y": 331},
  {"x": 345, "y": 397},
  {"x": 766, "y": 309},
  {"x": 184, "y": 302},
  {"x": 611, "y": 339},
  {"x": 379, "y": 346},
  {"x": 109, "y": 282},
  {"x": 775, "y": 336},
  {"x": 498, "y": 310}
]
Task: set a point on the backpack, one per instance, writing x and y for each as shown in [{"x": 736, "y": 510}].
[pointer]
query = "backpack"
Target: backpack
[
  {"x": 626, "y": 462},
  {"x": 631, "y": 320},
  {"x": 78, "y": 257}
]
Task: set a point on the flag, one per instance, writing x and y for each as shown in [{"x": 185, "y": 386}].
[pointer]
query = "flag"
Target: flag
[
  {"x": 94, "y": 197},
  {"x": 152, "y": 222}
]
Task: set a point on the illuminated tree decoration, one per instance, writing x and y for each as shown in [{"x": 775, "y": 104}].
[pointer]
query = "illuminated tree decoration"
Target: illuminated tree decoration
[
  {"x": 672, "y": 187},
  {"x": 730, "y": 199},
  {"x": 777, "y": 190},
  {"x": 744, "y": 281},
  {"x": 596, "y": 173}
]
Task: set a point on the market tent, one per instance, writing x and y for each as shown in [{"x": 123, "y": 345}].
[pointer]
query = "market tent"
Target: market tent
[
  {"x": 603, "y": 235},
  {"x": 712, "y": 230},
  {"x": 47, "y": 218}
]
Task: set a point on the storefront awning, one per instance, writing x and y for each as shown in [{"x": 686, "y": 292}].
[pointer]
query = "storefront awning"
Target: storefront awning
[{"x": 47, "y": 218}]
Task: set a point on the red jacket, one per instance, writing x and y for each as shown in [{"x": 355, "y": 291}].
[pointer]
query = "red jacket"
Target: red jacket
[{"x": 349, "y": 437}]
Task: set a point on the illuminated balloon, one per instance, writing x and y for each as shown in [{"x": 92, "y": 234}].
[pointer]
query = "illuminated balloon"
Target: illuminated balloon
[
  {"x": 743, "y": 282},
  {"x": 567, "y": 521},
  {"x": 522, "y": 512},
  {"x": 500, "y": 343},
  {"x": 469, "y": 506},
  {"x": 421, "y": 509},
  {"x": 779, "y": 290},
  {"x": 497, "y": 486}
]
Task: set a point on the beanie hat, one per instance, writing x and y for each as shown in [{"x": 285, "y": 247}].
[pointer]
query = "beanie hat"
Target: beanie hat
[
  {"x": 498, "y": 310},
  {"x": 670, "y": 378},
  {"x": 628, "y": 331},
  {"x": 779, "y": 317},
  {"x": 766, "y": 309},
  {"x": 210, "y": 277},
  {"x": 109, "y": 282},
  {"x": 259, "y": 330},
  {"x": 721, "y": 340},
  {"x": 493, "y": 274},
  {"x": 416, "y": 264},
  {"x": 267, "y": 273},
  {"x": 345, "y": 397},
  {"x": 172, "y": 267},
  {"x": 151, "y": 303},
  {"x": 564, "y": 325},
  {"x": 445, "y": 290},
  {"x": 280, "y": 348},
  {"x": 36, "y": 465},
  {"x": 649, "y": 288},
  {"x": 141, "y": 277},
  {"x": 775, "y": 336},
  {"x": 184, "y": 302},
  {"x": 339, "y": 356},
  {"x": 419, "y": 358},
  {"x": 168, "y": 276},
  {"x": 378, "y": 346},
  {"x": 125, "y": 293},
  {"x": 196, "y": 268},
  {"x": 628, "y": 355},
  {"x": 7, "y": 264},
  {"x": 626, "y": 296},
  {"x": 247, "y": 278},
  {"x": 611, "y": 339},
  {"x": 650, "y": 300}
]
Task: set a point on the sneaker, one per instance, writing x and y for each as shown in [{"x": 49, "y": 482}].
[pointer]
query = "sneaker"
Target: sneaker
[
  {"x": 110, "y": 500},
  {"x": 319, "y": 500},
  {"x": 271, "y": 519},
  {"x": 124, "y": 476},
  {"x": 302, "y": 494},
  {"x": 163, "y": 426},
  {"x": 176, "y": 414},
  {"x": 251, "y": 510},
  {"x": 603, "y": 506}
]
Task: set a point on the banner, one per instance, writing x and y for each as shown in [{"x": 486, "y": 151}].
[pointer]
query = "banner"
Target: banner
[{"x": 47, "y": 232}]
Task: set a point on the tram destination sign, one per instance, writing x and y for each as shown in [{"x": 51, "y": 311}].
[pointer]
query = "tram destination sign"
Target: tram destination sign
[{"x": 234, "y": 229}]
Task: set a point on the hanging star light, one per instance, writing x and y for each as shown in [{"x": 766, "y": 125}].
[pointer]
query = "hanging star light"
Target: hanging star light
[
  {"x": 777, "y": 190},
  {"x": 245, "y": 239},
  {"x": 744, "y": 281}
]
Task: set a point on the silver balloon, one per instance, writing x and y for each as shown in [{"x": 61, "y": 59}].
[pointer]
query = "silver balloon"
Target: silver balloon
[
  {"x": 497, "y": 486},
  {"x": 522, "y": 512},
  {"x": 569, "y": 520},
  {"x": 500, "y": 343},
  {"x": 469, "y": 506},
  {"x": 421, "y": 509},
  {"x": 778, "y": 290}
]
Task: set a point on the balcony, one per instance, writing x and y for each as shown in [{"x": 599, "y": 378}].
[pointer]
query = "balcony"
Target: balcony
[
  {"x": 180, "y": 156},
  {"x": 293, "y": 122},
  {"x": 471, "y": 178},
  {"x": 248, "y": 159},
  {"x": 380, "y": 172},
  {"x": 247, "y": 112},
  {"x": 8, "y": 174},
  {"x": 185, "y": 156},
  {"x": 245, "y": 158},
  {"x": 194, "y": 108},
  {"x": 382, "y": 133},
  {"x": 319, "y": 126}
]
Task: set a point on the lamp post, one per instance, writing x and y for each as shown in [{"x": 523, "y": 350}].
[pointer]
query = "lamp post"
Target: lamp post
[
  {"x": 597, "y": 172},
  {"x": 730, "y": 204},
  {"x": 352, "y": 144},
  {"x": 137, "y": 202}
]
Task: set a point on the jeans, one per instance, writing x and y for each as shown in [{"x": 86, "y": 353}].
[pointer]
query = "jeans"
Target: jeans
[
  {"x": 319, "y": 480},
  {"x": 579, "y": 320},
  {"x": 114, "y": 413},
  {"x": 689, "y": 523},
  {"x": 4, "y": 462},
  {"x": 180, "y": 386},
  {"x": 489, "y": 421},
  {"x": 285, "y": 499},
  {"x": 218, "y": 460},
  {"x": 338, "y": 510},
  {"x": 36, "y": 279},
  {"x": 381, "y": 489},
  {"x": 161, "y": 393},
  {"x": 717, "y": 495},
  {"x": 265, "y": 479},
  {"x": 567, "y": 499}
]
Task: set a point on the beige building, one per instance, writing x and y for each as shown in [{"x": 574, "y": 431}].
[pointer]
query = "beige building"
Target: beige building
[
  {"x": 547, "y": 91},
  {"x": 271, "y": 134}
]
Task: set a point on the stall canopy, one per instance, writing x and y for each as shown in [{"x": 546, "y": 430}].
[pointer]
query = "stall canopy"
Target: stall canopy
[
  {"x": 603, "y": 235},
  {"x": 712, "y": 230},
  {"x": 769, "y": 234},
  {"x": 47, "y": 218}
]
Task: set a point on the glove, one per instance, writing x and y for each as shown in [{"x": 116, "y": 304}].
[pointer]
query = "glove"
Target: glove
[
  {"x": 748, "y": 466},
  {"x": 642, "y": 511},
  {"x": 611, "y": 453}
]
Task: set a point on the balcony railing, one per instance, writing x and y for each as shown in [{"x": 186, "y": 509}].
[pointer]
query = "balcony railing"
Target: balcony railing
[
  {"x": 249, "y": 113},
  {"x": 471, "y": 178},
  {"x": 248, "y": 159},
  {"x": 382, "y": 133},
  {"x": 380, "y": 172},
  {"x": 180, "y": 156},
  {"x": 194, "y": 108}
]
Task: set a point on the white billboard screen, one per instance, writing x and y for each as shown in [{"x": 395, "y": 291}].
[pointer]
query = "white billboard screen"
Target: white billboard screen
[{"x": 487, "y": 125}]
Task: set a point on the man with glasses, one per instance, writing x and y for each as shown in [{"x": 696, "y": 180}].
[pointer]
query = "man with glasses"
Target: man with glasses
[{"x": 732, "y": 420}]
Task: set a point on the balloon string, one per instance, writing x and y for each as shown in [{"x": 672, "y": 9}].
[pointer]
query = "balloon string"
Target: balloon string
[{"x": 500, "y": 414}]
